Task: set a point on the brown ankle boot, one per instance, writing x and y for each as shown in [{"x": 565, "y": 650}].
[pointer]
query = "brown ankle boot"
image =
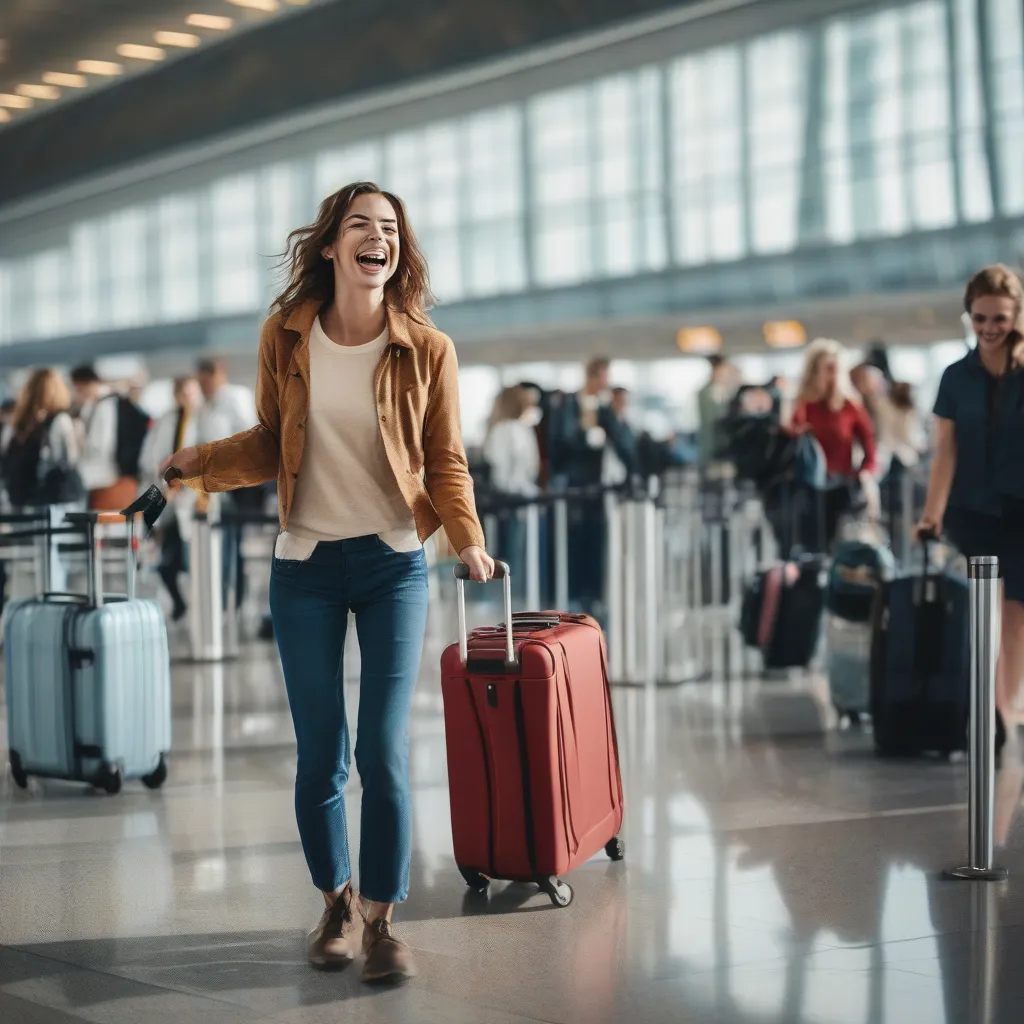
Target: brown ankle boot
[
  {"x": 332, "y": 943},
  {"x": 388, "y": 959}
]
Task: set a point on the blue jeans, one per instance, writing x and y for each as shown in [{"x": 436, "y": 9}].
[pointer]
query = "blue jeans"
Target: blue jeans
[{"x": 310, "y": 602}]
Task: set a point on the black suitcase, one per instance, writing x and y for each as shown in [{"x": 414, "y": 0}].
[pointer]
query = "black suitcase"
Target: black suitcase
[{"x": 921, "y": 665}]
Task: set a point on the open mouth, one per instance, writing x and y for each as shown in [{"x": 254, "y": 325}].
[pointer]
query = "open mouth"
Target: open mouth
[{"x": 374, "y": 258}]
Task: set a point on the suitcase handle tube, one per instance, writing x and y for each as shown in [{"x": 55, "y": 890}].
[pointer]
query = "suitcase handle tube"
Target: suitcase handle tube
[{"x": 503, "y": 573}]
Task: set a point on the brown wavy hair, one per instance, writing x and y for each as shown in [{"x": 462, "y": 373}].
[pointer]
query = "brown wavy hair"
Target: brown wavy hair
[
  {"x": 44, "y": 395},
  {"x": 1000, "y": 281},
  {"x": 310, "y": 276}
]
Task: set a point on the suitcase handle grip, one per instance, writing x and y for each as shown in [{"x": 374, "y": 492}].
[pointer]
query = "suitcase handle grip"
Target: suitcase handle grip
[{"x": 503, "y": 573}]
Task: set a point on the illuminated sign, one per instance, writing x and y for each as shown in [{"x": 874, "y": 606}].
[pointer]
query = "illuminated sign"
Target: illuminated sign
[
  {"x": 699, "y": 341},
  {"x": 784, "y": 333}
]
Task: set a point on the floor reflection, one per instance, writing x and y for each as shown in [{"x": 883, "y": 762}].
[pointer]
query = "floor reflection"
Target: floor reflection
[{"x": 776, "y": 871}]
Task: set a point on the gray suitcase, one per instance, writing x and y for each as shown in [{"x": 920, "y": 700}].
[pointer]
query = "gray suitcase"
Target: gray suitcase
[{"x": 88, "y": 682}]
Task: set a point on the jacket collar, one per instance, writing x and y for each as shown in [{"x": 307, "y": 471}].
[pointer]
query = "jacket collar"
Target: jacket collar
[{"x": 301, "y": 320}]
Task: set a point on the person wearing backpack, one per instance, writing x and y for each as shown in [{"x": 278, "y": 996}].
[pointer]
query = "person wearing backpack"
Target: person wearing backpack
[
  {"x": 115, "y": 429},
  {"x": 40, "y": 450}
]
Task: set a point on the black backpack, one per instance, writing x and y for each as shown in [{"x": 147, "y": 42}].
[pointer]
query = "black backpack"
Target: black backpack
[
  {"x": 33, "y": 478},
  {"x": 132, "y": 427}
]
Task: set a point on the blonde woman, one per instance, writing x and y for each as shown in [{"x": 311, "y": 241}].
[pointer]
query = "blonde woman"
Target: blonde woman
[
  {"x": 826, "y": 409},
  {"x": 976, "y": 486}
]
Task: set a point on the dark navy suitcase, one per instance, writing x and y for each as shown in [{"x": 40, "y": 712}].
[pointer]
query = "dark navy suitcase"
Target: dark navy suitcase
[
  {"x": 88, "y": 684},
  {"x": 921, "y": 665}
]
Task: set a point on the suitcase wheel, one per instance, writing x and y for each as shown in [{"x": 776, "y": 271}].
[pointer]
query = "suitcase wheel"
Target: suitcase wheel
[
  {"x": 616, "y": 848},
  {"x": 477, "y": 882},
  {"x": 560, "y": 893},
  {"x": 17, "y": 772},
  {"x": 158, "y": 776},
  {"x": 110, "y": 779}
]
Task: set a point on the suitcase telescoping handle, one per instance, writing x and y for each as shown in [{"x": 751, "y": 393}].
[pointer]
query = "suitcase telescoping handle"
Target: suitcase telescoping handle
[
  {"x": 501, "y": 572},
  {"x": 88, "y": 521}
]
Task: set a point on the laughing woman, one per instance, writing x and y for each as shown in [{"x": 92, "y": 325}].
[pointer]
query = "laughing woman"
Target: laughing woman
[
  {"x": 358, "y": 405},
  {"x": 976, "y": 488}
]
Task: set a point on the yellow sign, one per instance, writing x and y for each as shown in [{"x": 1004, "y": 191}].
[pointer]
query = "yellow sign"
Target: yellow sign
[
  {"x": 784, "y": 333},
  {"x": 699, "y": 341}
]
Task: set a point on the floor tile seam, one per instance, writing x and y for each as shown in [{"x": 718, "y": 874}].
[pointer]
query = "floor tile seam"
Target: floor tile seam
[
  {"x": 206, "y": 997},
  {"x": 851, "y": 816}
]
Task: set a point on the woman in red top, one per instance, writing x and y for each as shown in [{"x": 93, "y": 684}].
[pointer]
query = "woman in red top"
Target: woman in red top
[{"x": 825, "y": 409}]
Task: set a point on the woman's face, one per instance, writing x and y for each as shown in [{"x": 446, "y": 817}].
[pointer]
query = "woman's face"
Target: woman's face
[
  {"x": 365, "y": 251},
  {"x": 828, "y": 375},
  {"x": 993, "y": 317}
]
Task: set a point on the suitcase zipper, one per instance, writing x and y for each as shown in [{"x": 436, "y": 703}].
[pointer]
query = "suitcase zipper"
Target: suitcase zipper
[
  {"x": 487, "y": 780},
  {"x": 524, "y": 767}
]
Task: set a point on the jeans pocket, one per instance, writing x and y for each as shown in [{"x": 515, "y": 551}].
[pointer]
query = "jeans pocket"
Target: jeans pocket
[{"x": 286, "y": 566}]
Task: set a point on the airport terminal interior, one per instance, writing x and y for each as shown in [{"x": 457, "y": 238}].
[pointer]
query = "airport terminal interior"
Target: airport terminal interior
[{"x": 642, "y": 219}]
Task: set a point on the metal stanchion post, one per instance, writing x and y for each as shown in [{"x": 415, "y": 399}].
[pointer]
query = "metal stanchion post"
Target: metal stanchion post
[
  {"x": 206, "y": 609},
  {"x": 649, "y": 540},
  {"x": 614, "y": 587},
  {"x": 231, "y": 640},
  {"x": 984, "y": 596},
  {"x": 532, "y": 513},
  {"x": 629, "y": 595},
  {"x": 561, "y": 514}
]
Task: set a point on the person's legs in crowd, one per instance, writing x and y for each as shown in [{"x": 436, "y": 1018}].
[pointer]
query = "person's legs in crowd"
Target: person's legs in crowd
[
  {"x": 172, "y": 564},
  {"x": 389, "y": 598},
  {"x": 310, "y": 610}
]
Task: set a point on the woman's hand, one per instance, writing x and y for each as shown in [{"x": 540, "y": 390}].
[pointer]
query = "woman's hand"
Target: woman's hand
[
  {"x": 928, "y": 528},
  {"x": 186, "y": 462},
  {"x": 481, "y": 565}
]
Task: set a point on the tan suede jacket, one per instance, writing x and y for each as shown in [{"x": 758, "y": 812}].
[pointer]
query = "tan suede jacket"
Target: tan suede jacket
[{"x": 418, "y": 403}]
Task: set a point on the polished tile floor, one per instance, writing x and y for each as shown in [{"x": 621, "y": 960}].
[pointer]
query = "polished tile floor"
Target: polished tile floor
[{"x": 775, "y": 872}]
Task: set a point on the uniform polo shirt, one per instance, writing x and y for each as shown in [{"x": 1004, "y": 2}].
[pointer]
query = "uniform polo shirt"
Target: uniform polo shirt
[{"x": 988, "y": 418}]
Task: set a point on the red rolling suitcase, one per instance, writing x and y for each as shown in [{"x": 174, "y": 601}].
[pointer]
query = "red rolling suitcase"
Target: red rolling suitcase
[{"x": 533, "y": 766}]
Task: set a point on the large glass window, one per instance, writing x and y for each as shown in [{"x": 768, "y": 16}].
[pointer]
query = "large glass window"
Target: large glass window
[
  {"x": 975, "y": 192},
  {"x": 335, "y": 168},
  {"x": 707, "y": 151},
  {"x": 234, "y": 247},
  {"x": 495, "y": 253},
  {"x": 281, "y": 212},
  {"x": 48, "y": 292},
  {"x": 423, "y": 169},
  {"x": 775, "y": 90},
  {"x": 1007, "y": 49},
  {"x": 84, "y": 303},
  {"x": 177, "y": 227},
  {"x": 628, "y": 208},
  {"x": 126, "y": 254},
  {"x": 5, "y": 303},
  {"x": 561, "y": 170}
]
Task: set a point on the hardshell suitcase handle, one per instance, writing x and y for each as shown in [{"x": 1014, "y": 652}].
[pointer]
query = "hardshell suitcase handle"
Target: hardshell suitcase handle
[{"x": 503, "y": 573}]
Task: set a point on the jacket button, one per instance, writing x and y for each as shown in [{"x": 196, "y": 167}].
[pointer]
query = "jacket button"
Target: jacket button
[
  {"x": 383, "y": 419},
  {"x": 302, "y": 426}
]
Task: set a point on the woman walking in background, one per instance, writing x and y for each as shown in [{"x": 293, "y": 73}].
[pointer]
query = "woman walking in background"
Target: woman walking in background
[
  {"x": 357, "y": 395},
  {"x": 976, "y": 487},
  {"x": 170, "y": 433},
  {"x": 825, "y": 409}
]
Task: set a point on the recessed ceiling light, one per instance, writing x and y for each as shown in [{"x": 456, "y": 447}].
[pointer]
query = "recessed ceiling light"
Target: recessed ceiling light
[
  {"x": 217, "y": 22},
  {"x": 39, "y": 92},
  {"x": 62, "y": 78},
  {"x": 14, "y": 102},
  {"x": 100, "y": 67},
  {"x": 183, "y": 39},
  {"x": 257, "y": 5},
  {"x": 140, "y": 52}
]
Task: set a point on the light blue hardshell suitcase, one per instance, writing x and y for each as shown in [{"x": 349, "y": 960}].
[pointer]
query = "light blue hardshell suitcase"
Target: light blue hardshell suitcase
[
  {"x": 88, "y": 685},
  {"x": 849, "y": 666}
]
